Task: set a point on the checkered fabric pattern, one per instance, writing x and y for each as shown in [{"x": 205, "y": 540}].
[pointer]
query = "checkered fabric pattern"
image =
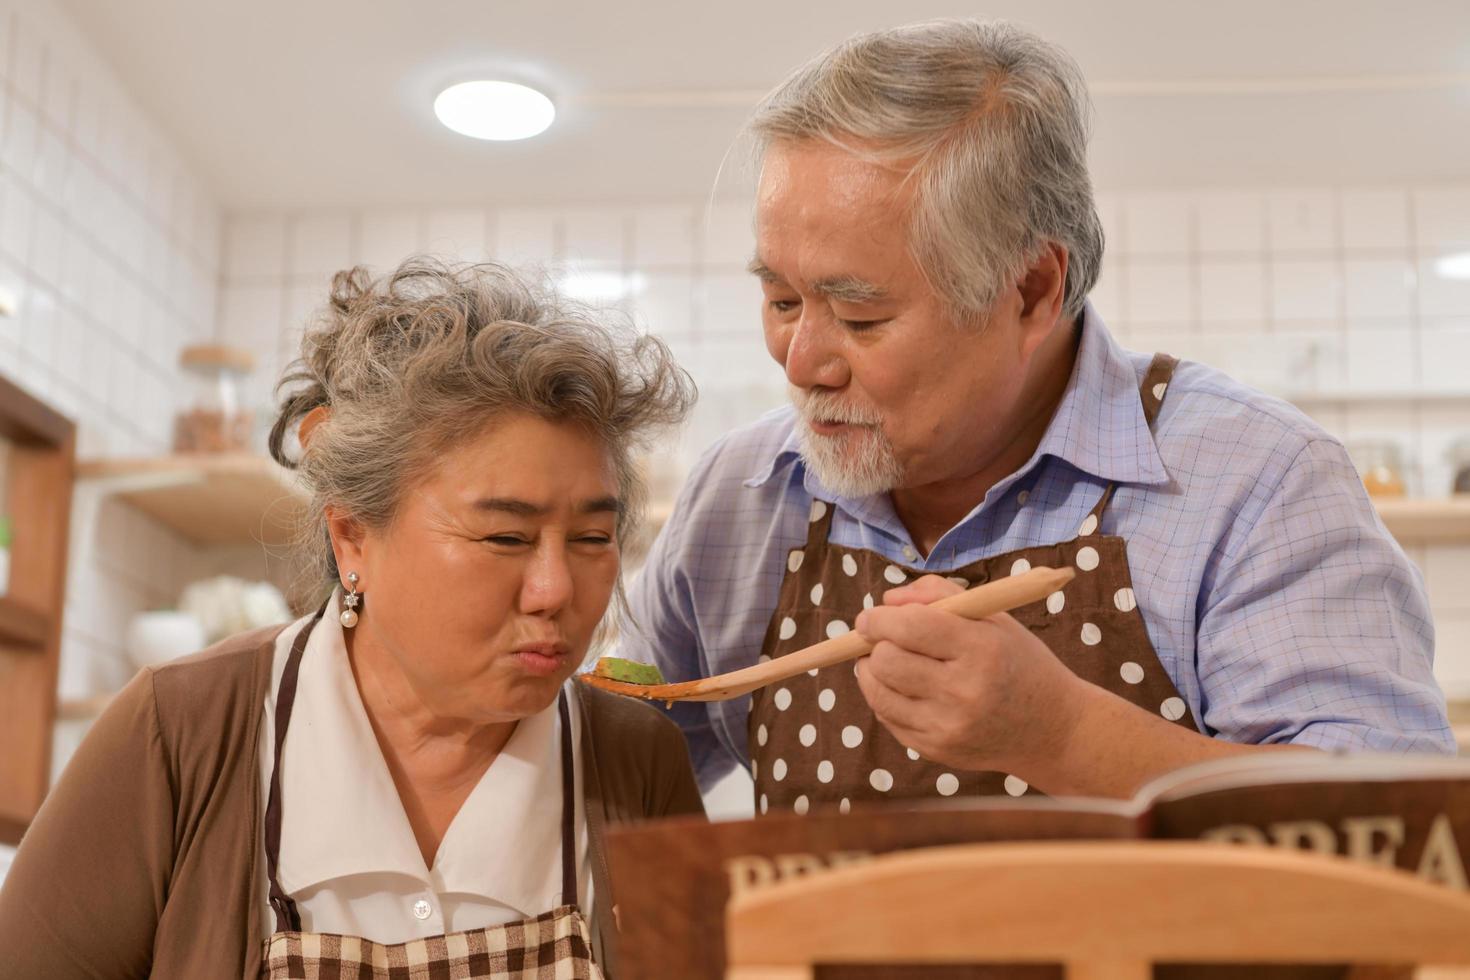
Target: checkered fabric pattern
[{"x": 552, "y": 946}]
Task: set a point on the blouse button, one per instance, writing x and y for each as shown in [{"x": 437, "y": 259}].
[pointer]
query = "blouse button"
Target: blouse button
[
  {"x": 422, "y": 909},
  {"x": 909, "y": 552}
]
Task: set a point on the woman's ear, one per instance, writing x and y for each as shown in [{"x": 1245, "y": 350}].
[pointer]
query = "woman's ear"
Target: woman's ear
[{"x": 346, "y": 533}]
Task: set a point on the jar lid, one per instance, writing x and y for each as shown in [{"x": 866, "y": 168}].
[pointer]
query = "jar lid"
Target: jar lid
[{"x": 217, "y": 356}]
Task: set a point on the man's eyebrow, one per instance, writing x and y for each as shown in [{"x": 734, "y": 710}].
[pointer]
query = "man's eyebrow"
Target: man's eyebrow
[
  {"x": 849, "y": 289},
  {"x": 844, "y": 289},
  {"x": 524, "y": 508},
  {"x": 761, "y": 271}
]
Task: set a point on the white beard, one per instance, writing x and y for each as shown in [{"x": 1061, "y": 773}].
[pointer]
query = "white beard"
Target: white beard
[{"x": 857, "y": 464}]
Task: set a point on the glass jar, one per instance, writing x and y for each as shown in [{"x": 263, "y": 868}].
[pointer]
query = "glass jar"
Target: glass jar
[
  {"x": 215, "y": 418},
  {"x": 1381, "y": 464},
  {"x": 1459, "y": 456}
]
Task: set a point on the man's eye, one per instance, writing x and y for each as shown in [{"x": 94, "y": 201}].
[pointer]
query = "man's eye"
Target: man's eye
[
  {"x": 858, "y": 326},
  {"x": 784, "y": 305}
]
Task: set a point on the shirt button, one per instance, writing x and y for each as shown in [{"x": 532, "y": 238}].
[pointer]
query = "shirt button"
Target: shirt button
[
  {"x": 422, "y": 909},
  {"x": 1021, "y": 497},
  {"x": 910, "y": 553}
]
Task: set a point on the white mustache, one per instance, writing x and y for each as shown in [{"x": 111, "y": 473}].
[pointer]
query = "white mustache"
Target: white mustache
[{"x": 825, "y": 408}]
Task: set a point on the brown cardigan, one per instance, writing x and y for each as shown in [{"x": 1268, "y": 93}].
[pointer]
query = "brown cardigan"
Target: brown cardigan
[{"x": 145, "y": 859}]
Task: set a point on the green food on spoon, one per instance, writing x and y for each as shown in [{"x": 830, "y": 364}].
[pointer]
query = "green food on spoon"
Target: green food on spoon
[{"x": 628, "y": 671}]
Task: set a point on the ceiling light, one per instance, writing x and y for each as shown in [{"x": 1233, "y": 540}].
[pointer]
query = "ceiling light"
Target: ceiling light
[
  {"x": 494, "y": 110},
  {"x": 1453, "y": 266}
]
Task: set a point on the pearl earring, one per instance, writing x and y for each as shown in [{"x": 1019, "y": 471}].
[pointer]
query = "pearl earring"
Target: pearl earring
[{"x": 350, "y": 600}]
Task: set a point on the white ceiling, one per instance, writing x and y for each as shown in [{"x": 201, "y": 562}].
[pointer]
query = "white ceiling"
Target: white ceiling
[{"x": 295, "y": 103}]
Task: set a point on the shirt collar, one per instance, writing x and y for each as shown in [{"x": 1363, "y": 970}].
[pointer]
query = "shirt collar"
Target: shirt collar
[
  {"x": 1099, "y": 426},
  {"x": 342, "y": 814}
]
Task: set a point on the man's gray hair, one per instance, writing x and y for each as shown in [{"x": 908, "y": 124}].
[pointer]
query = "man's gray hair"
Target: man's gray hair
[{"x": 991, "y": 122}]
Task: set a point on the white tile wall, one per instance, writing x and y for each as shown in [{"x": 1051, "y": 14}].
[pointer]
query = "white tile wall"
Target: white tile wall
[{"x": 111, "y": 245}]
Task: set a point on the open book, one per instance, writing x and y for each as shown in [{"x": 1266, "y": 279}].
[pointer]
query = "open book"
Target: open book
[{"x": 671, "y": 879}]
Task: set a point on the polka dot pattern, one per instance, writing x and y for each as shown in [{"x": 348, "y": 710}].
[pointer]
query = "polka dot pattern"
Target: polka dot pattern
[{"x": 817, "y": 733}]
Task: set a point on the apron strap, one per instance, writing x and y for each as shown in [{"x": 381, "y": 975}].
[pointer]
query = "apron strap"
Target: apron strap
[
  {"x": 1151, "y": 392},
  {"x": 568, "y": 806},
  {"x": 288, "y": 919}
]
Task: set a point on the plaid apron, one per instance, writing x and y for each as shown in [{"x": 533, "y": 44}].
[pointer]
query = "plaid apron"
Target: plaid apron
[
  {"x": 555, "y": 945},
  {"x": 813, "y": 739}
]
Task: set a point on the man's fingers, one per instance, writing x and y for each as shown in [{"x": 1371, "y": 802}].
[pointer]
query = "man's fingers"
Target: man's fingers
[
  {"x": 923, "y": 629},
  {"x": 891, "y": 707},
  {"x": 924, "y": 590},
  {"x": 911, "y": 674}
]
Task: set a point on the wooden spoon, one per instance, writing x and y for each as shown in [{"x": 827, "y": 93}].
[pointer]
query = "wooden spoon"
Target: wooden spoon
[{"x": 977, "y": 603}]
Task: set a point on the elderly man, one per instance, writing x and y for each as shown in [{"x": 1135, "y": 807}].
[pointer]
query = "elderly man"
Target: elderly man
[{"x": 926, "y": 241}]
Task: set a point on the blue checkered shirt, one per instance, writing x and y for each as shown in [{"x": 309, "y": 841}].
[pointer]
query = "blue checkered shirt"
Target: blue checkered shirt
[{"x": 1276, "y": 600}]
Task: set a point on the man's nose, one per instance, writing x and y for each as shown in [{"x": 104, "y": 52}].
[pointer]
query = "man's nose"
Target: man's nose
[{"x": 813, "y": 359}]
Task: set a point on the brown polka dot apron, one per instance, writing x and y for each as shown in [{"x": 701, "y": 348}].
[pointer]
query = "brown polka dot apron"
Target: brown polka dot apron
[
  {"x": 814, "y": 740},
  {"x": 555, "y": 945}
]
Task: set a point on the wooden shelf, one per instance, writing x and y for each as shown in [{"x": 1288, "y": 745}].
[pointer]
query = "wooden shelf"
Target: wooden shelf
[
  {"x": 1445, "y": 521},
  {"x": 224, "y": 499},
  {"x": 21, "y": 625}
]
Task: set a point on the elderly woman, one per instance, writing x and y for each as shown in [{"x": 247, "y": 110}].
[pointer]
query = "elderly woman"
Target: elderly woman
[{"x": 406, "y": 778}]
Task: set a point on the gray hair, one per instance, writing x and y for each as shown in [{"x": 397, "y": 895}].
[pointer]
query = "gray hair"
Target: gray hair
[
  {"x": 413, "y": 363},
  {"x": 990, "y": 121}
]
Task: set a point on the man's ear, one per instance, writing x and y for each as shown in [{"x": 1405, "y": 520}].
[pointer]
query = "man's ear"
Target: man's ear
[
  {"x": 1043, "y": 291},
  {"x": 347, "y": 541}
]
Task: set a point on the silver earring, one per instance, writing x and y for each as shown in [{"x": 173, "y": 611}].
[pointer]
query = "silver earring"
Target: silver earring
[{"x": 350, "y": 600}]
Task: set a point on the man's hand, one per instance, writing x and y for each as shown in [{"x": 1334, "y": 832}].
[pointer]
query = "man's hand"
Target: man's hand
[{"x": 972, "y": 694}]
